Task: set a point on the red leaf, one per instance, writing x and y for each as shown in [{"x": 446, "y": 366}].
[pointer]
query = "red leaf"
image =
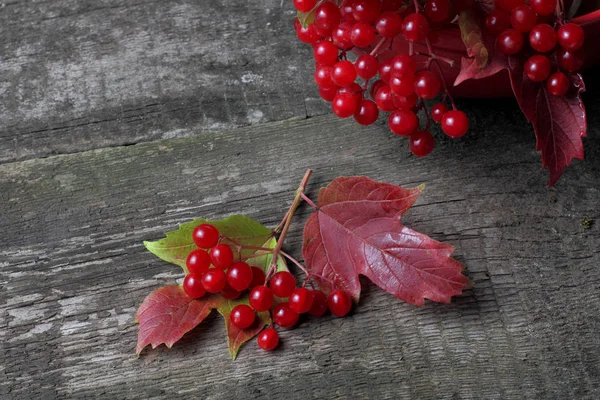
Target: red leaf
[
  {"x": 356, "y": 230},
  {"x": 470, "y": 31}
]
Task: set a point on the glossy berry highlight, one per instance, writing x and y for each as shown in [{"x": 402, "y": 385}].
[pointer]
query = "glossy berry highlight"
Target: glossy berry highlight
[
  {"x": 282, "y": 284},
  {"x": 261, "y": 298},
  {"x": 192, "y": 285},
  {"x": 455, "y": 123},
  {"x": 339, "y": 303},
  {"x": 221, "y": 256},
  {"x": 214, "y": 280},
  {"x": 239, "y": 276},
  {"x": 198, "y": 261},
  {"x": 284, "y": 316},
  {"x": 242, "y": 316},
  {"x": 205, "y": 236},
  {"x": 300, "y": 300},
  {"x": 268, "y": 339}
]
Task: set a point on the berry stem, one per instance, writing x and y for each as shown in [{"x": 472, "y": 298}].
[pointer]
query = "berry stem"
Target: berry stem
[
  {"x": 296, "y": 262},
  {"x": 377, "y": 47},
  {"x": 443, "y": 79},
  {"x": 308, "y": 200}
]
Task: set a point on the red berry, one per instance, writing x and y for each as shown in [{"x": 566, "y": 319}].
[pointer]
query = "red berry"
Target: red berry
[
  {"x": 366, "y": 66},
  {"x": 415, "y": 27},
  {"x": 383, "y": 98},
  {"x": 205, "y": 236},
  {"x": 403, "y": 122},
  {"x": 402, "y": 86},
  {"x": 284, "y": 316},
  {"x": 319, "y": 304},
  {"x": 362, "y": 34},
  {"x": 344, "y": 105},
  {"x": 346, "y": 10},
  {"x": 366, "y": 10},
  {"x": 438, "y": 111},
  {"x": 510, "y": 41},
  {"x": 192, "y": 285},
  {"x": 537, "y": 68},
  {"x": 261, "y": 298},
  {"x": 375, "y": 87},
  {"x": 339, "y": 303},
  {"x": 570, "y": 61},
  {"x": 427, "y": 85},
  {"x": 327, "y": 17},
  {"x": 323, "y": 77},
  {"x": 542, "y": 38},
  {"x": 341, "y": 36},
  {"x": 268, "y": 339},
  {"x": 388, "y": 24},
  {"x": 403, "y": 65},
  {"x": 405, "y": 102},
  {"x": 421, "y": 143},
  {"x": 242, "y": 316},
  {"x": 455, "y": 123},
  {"x": 239, "y": 276},
  {"x": 305, "y": 5},
  {"x": 301, "y": 300},
  {"x": 367, "y": 112},
  {"x": 198, "y": 261},
  {"x": 221, "y": 256},
  {"x": 385, "y": 70},
  {"x": 497, "y": 21},
  {"x": 306, "y": 35},
  {"x": 214, "y": 280},
  {"x": 230, "y": 293},
  {"x": 437, "y": 10},
  {"x": 258, "y": 277},
  {"x": 328, "y": 93},
  {"x": 354, "y": 89},
  {"x": 570, "y": 37},
  {"x": 325, "y": 53},
  {"x": 343, "y": 73},
  {"x": 508, "y": 5},
  {"x": 282, "y": 284},
  {"x": 522, "y": 18},
  {"x": 558, "y": 84},
  {"x": 543, "y": 7}
]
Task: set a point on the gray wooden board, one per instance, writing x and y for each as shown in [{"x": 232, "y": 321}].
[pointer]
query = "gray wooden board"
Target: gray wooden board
[{"x": 73, "y": 269}]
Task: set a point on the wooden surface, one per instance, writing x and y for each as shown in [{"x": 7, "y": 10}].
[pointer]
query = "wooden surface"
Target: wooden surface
[{"x": 88, "y": 78}]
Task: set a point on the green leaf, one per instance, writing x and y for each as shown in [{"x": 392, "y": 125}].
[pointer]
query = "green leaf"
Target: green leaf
[{"x": 470, "y": 31}]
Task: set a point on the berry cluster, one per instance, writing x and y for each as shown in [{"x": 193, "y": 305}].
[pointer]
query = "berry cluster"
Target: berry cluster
[
  {"x": 534, "y": 28},
  {"x": 212, "y": 269},
  {"x": 403, "y": 84}
]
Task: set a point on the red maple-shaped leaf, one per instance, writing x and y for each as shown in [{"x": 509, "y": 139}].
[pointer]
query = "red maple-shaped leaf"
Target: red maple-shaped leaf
[{"x": 356, "y": 230}]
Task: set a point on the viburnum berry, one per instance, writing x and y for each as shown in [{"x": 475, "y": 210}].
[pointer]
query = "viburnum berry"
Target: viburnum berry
[
  {"x": 268, "y": 339},
  {"x": 543, "y": 7},
  {"x": 385, "y": 70},
  {"x": 328, "y": 93},
  {"x": 198, "y": 261},
  {"x": 327, "y": 17},
  {"x": 537, "y": 68},
  {"x": 367, "y": 112},
  {"x": 497, "y": 21},
  {"x": 403, "y": 122},
  {"x": 403, "y": 102},
  {"x": 242, "y": 316},
  {"x": 239, "y": 276},
  {"x": 284, "y": 316},
  {"x": 571, "y": 61},
  {"x": 221, "y": 256},
  {"x": 346, "y": 10},
  {"x": 427, "y": 85},
  {"x": 542, "y": 38},
  {"x": 325, "y": 53},
  {"x": 403, "y": 65},
  {"x": 258, "y": 277},
  {"x": 522, "y": 18},
  {"x": 570, "y": 37},
  {"x": 510, "y": 41},
  {"x": 508, "y": 5},
  {"x": 438, "y": 111},
  {"x": 415, "y": 27},
  {"x": 323, "y": 77},
  {"x": 404, "y": 86},
  {"x": 261, "y": 298},
  {"x": 205, "y": 236},
  {"x": 192, "y": 285},
  {"x": 455, "y": 123},
  {"x": 383, "y": 98},
  {"x": 366, "y": 66},
  {"x": 388, "y": 24},
  {"x": 362, "y": 34},
  {"x": 354, "y": 89},
  {"x": 366, "y": 10},
  {"x": 339, "y": 303},
  {"x": 319, "y": 304},
  {"x": 341, "y": 36},
  {"x": 282, "y": 283},
  {"x": 344, "y": 105},
  {"x": 343, "y": 73},
  {"x": 421, "y": 143},
  {"x": 214, "y": 280},
  {"x": 558, "y": 84},
  {"x": 438, "y": 10},
  {"x": 300, "y": 300},
  {"x": 375, "y": 87},
  {"x": 306, "y": 35},
  {"x": 230, "y": 293},
  {"x": 305, "y": 5}
]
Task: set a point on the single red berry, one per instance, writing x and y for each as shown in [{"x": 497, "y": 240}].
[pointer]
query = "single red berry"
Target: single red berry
[
  {"x": 367, "y": 112},
  {"x": 346, "y": 10},
  {"x": 438, "y": 10},
  {"x": 268, "y": 339},
  {"x": 388, "y": 24},
  {"x": 497, "y": 21},
  {"x": 327, "y": 17},
  {"x": 366, "y": 10},
  {"x": 205, "y": 236},
  {"x": 571, "y": 61},
  {"x": 354, "y": 89},
  {"x": 301, "y": 300},
  {"x": 542, "y": 38},
  {"x": 522, "y": 18},
  {"x": 510, "y": 41},
  {"x": 404, "y": 86},
  {"x": 344, "y": 105},
  {"x": 403, "y": 65},
  {"x": 362, "y": 34},
  {"x": 366, "y": 66},
  {"x": 383, "y": 98},
  {"x": 339, "y": 303},
  {"x": 242, "y": 316},
  {"x": 230, "y": 293},
  {"x": 214, "y": 280},
  {"x": 192, "y": 285},
  {"x": 438, "y": 111},
  {"x": 305, "y": 5},
  {"x": 221, "y": 256},
  {"x": 239, "y": 276},
  {"x": 558, "y": 84},
  {"x": 323, "y": 77},
  {"x": 325, "y": 53},
  {"x": 341, "y": 36},
  {"x": 508, "y": 5},
  {"x": 403, "y": 122},
  {"x": 306, "y": 35},
  {"x": 537, "y": 68},
  {"x": 455, "y": 123},
  {"x": 403, "y": 102},
  {"x": 570, "y": 37},
  {"x": 385, "y": 70},
  {"x": 198, "y": 261},
  {"x": 284, "y": 316},
  {"x": 343, "y": 73},
  {"x": 282, "y": 284},
  {"x": 543, "y": 7},
  {"x": 261, "y": 298},
  {"x": 415, "y": 27},
  {"x": 427, "y": 85},
  {"x": 319, "y": 304},
  {"x": 375, "y": 87},
  {"x": 258, "y": 277},
  {"x": 391, "y": 5},
  {"x": 421, "y": 143},
  {"x": 328, "y": 93}
]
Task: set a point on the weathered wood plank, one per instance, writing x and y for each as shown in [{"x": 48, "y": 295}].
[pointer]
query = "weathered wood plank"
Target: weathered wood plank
[{"x": 73, "y": 268}]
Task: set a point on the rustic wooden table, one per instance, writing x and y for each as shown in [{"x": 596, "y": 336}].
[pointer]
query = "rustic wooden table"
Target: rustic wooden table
[{"x": 120, "y": 119}]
